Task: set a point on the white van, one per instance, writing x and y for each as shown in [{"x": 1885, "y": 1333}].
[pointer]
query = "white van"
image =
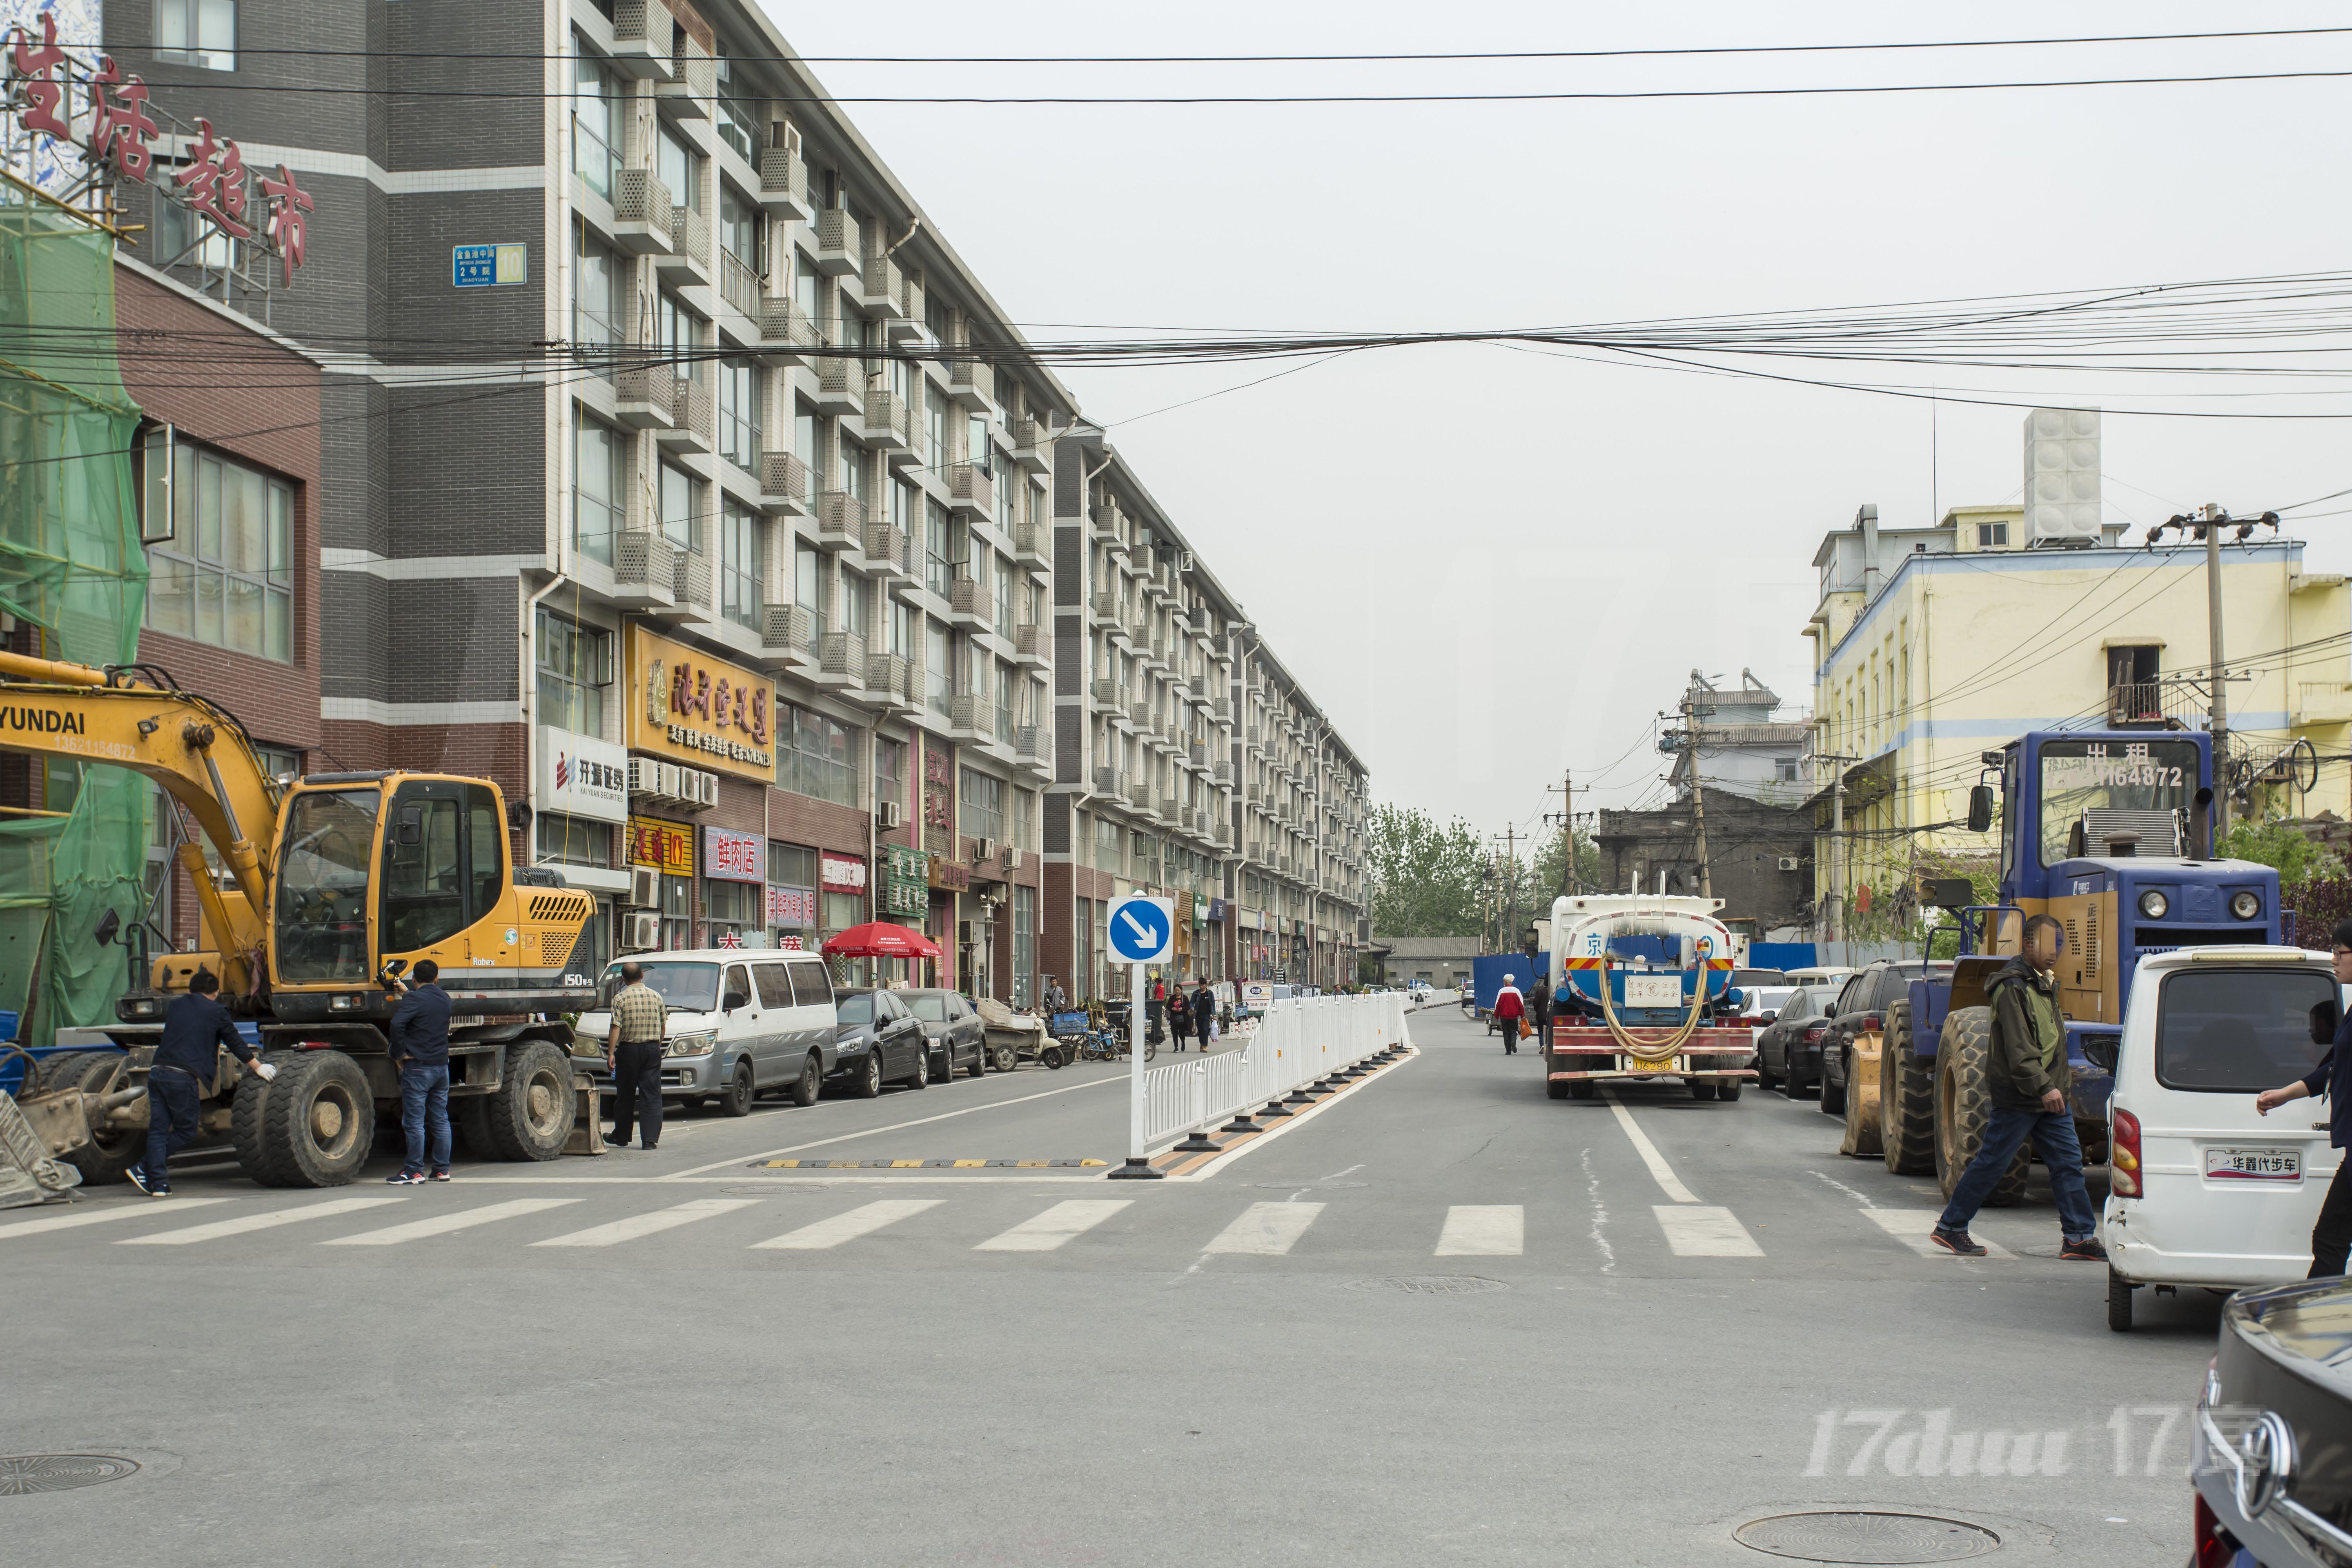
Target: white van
[
  {"x": 2204, "y": 1190},
  {"x": 743, "y": 1021}
]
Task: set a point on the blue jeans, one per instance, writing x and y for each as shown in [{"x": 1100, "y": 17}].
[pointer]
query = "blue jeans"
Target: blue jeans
[
  {"x": 424, "y": 1103},
  {"x": 2053, "y": 1133},
  {"x": 171, "y": 1120}
]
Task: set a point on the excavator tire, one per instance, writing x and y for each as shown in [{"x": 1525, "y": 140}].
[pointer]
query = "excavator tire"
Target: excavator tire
[
  {"x": 530, "y": 1114},
  {"x": 1964, "y": 1105},
  {"x": 1907, "y": 1101},
  {"x": 110, "y": 1152},
  {"x": 469, "y": 1118},
  {"x": 312, "y": 1126}
]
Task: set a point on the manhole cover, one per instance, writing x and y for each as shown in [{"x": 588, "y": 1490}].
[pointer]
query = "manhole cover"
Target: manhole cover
[
  {"x": 1430, "y": 1284},
  {"x": 1848, "y": 1536},
  {"x": 22, "y": 1473}
]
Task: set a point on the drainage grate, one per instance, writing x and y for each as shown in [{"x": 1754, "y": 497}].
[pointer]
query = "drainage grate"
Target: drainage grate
[
  {"x": 1856, "y": 1536},
  {"x": 22, "y": 1473},
  {"x": 1430, "y": 1284}
]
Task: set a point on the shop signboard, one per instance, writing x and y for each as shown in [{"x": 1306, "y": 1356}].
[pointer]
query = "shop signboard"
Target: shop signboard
[
  {"x": 1219, "y": 909},
  {"x": 732, "y": 856},
  {"x": 950, "y": 876},
  {"x": 666, "y": 845},
  {"x": 581, "y": 776},
  {"x": 842, "y": 873},
  {"x": 792, "y": 906},
  {"x": 906, "y": 881},
  {"x": 687, "y": 707}
]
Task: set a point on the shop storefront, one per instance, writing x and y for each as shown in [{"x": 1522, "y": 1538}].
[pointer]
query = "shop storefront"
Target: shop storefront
[
  {"x": 734, "y": 889},
  {"x": 949, "y": 882},
  {"x": 668, "y": 847},
  {"x": 580, "y": 796},
  {"x": 841, "y": 902}
]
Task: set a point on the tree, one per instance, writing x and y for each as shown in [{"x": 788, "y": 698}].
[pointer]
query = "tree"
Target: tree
[
  {"x": 2283, "y": 847},
  {"x": 1426, "y": 880},
  {"x": 1550, "y": 861}
]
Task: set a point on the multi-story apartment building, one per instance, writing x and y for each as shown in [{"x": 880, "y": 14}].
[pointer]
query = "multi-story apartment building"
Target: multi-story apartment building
[{"x": 674, "y": 471}]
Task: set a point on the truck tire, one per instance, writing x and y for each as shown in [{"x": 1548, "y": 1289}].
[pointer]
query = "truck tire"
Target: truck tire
[
  {"x": 1701, "y": 1090},
  {"x": 1964, "y": 1105},
  {"x": 1556, "y": 1087},
  {"x": 1727, "y": 1090},
  {"x": 110, "y": 1152},
  {"x": 1907, "y": 1101},
  {"x": 469, "y": 1118},
  {"x": 312, "y": 1126},
  {"x": 531, "y": 1111}
]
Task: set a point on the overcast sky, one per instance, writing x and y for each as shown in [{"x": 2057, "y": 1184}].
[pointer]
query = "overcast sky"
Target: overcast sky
[{"x": 1490, "y": 564}]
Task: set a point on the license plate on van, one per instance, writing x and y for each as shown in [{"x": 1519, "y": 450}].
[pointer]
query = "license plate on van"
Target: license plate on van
[{"x": 2254, "y": 1164}]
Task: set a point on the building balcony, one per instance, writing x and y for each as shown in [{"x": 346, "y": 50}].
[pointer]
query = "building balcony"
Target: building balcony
[
  {"x": 836, "y": 234},
  {"x": 1032, "y": 444},
  {"x": 1108, "y": 782},
  {"x": 973, "y": 491},
  {"x": 1225, "y": 774},
  {"x": 972, "y": 383},
  {"x": 643, "y": 398},
  {"x": 880, "y": 286},
  {"x": 907, "y": 326},
  {"x": 738, "y": 286},
  {"x": 690, "y": 586},
  {"x": 840, "y": 521},
  {"x": 1102, "y": 609},
  {"x": 642, "y": 208},
  {"x": 1033, "y": 543},
  {"x": 688, "y": 258},
  {"x": 1139, "y": 715},
  {"x": 1198, "y": 751},
  {"x": 644, "y": 41},
  {"x": 1161, "y": 581},
  {"x": 1033, "y": 744},
  {"x": 788, "y": 632},
  {"x": 783, "y": 484},
  {"x": 694, "y": 424},
  {"x": 786, "y": 333},
  {"x": 645, "y": 570},
  {"x": 2155, "y": 705},
  {"x": 1102, "y": 528},
  {"x": 783, "y": 184},
  {"x": 889, "y": 424},
  {"x": 841, "y": 388},
  {"x": 841, "y": 662},
  {"x": 1171, "y": 811},
  {"x": 896, "y": 682},
  {"x": 1033, "y": 645},
  {"x": 968, "y": 604},
  {"x": 694, "y": 80},
  {"x": 2321, "y": 702},
  {"x": 1107, "y": 694},
  {"x": 972, "y": 718}
]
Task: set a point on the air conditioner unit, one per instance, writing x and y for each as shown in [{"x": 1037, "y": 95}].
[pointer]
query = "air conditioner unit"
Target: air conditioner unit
[
  {"x": 1013, "y": 861},
  {"x": 987, "y": 850},
  {"x": 640, "y": 931},
  {"x": 645, "y": 774},
  {"x": 888, "y": 814},
  {"x": 666, "y": 780},
  {"x": 1788, "y": 862},
  {"x": 644, "y": 887},
  {"x": 701, "y": 788}
]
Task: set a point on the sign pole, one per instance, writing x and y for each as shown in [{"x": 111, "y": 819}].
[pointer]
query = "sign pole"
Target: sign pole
[{"x": 1142, "y": 931}]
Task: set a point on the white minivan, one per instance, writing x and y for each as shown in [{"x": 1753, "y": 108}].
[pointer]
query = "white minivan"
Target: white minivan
[
  {"x": 743, "y": 1021},
  {"x": 2203, "y": 1189}
]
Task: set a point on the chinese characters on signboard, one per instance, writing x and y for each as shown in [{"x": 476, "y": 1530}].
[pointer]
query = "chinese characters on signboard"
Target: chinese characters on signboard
[
  {"x": 692, "y": 708},
  {"x": 734, "y": 857},
  {"x": 666, "y": 845},
  {"x": 938, "y": 800},
  {"x": 843, "y": 873},
  {"x": 792, "y": 906}
]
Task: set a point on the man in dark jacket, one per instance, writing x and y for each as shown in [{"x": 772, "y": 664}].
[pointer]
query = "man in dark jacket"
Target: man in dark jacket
[
  {"x": 197, "y": 1029},
  {"x": 420, "y": 1053},
  {"x": 2331, "y": 1238},
  {"x": 1539, "y": 1010},
  {"x": 1205, "y": 1012},
  {"x": 2027, "y": 1078}
]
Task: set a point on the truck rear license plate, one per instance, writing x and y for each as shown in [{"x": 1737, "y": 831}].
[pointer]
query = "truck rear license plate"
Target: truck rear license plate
[
  {"x": 1636, "y": 1065},
  {"x": 2254, "y": 1164},
  {"x": 1653, "y": 991}
]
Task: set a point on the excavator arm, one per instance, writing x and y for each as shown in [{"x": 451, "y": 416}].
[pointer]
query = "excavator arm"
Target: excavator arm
[{"x": 196, "y": 750}]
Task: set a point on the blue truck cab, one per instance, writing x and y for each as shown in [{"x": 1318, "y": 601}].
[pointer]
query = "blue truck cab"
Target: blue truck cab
[{"x": 2109, "y": 833}]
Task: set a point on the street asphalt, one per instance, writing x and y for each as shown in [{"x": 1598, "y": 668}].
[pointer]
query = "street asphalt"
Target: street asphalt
[{"x": 1439, "y": 1318}]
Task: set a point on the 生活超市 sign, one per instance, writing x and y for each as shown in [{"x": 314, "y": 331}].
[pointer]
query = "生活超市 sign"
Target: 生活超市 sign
[{"x": 691, "y": 708}]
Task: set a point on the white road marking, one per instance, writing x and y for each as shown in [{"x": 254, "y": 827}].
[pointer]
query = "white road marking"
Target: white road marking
[
  {"x": 244, "y": 1223},
  {"x": 1482, "y": 1230},
  {"x": 1599, "y": 1215},
  {"x": 1668, "y": 1182},
  {"x": 1704, "y": 1232},
  {"x": 1219, "y": 1162},
  {"x": 857, "y": 1221},
  {"x": 1910, "y": 1226},
  {"x": 635, "y": 1225},
  {"x": 739, "y": 1161},
  {"x": 95, "y": 1217},
  {"x": 1045, "y": 1232},
  {"x": 442, "y": 1225},
  {"x": 1265, "y": 1230}
]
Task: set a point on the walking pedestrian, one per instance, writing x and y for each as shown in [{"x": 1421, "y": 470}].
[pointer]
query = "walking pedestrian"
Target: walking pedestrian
[
  {"x": 2331, "y": 1238},
  {"x": 197, "y": 1029},
  {"x": 2027, "y": 1075},
  {"x": 1180, "y": 1018},
  {"x": 420, "y": 1054},
  {"x": 1539, "y": 1009},
  {"x": 1204, "y": 1013},
  {"x": 1156, "y": 1009},
  {"x": 1509, "y": 1008},
  {"x": 1056, "y": 999},
  {"x": 633, "y": 1054}
]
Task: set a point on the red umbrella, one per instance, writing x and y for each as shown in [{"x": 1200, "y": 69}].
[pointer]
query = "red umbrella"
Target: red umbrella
[{"x": 880, "y": 939}]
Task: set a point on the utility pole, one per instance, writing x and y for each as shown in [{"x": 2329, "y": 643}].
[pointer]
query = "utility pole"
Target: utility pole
[
  {"x": 1506, "y": 907},
  {"x": 2207, "y": 525},
  {"x": 1699, "y": 795},
  {"x": 1566, "y": 817}
]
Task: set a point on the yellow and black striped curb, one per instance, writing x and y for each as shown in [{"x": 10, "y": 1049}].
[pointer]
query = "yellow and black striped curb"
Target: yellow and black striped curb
[{"x": 911, "y": 1164}]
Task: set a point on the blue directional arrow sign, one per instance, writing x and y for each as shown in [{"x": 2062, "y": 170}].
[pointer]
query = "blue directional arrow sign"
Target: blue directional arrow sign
[{"x": 1143, "y": 931}]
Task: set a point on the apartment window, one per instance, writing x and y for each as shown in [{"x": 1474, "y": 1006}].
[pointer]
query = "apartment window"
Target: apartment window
[
  {"x": 890, "y": 771},
  {"x": 1785, "y": 769},
  {"x": 853, "y": 470},
  {"x": 595, "y": 487},
  {"x": 593, "y": 333},
  {"x": 975, "y": 443},
  {"x": 197, "y": 33},
  {"x": 575, "y": 666},
  {"x": 810, "y": 586},
  {"x": 1082, "y": 965},
  {"x": 902, "y": 505},
  {"x": 184, "y": 239},
  {"x": 595, "y": 125},
  {"x": 1024, "y": 819},
  {"x": 739, "y": 227},
  {"x": 935, "y": 429},
  {"x": 739, "y": 115},
  {"x": 1024, "y": 946},
  {"x": 678, "y": 334},
  {"x": 678, "y": 508},
  {"x": 902, "y": 628},
  {"x": 853, "y": 606},
  {"x": 1992, "y": 535},
  {"x": 939, "y": 549},
  {"x": 227, "y": 575},
  {"x": 740, "y": 563},
  {"x": 679, "y": 167},
  {"x": 573, "y": 841},
  {"x": 815, "y": 756},
  {"x": 936, "y": 668},
  {"x": 983, "y": 805},
  {"x": 1004, "y": 580},
  {"x": 1107, "y": 844},
  {"x": 1005, "y": 711},
  {"x": 738, "y": 414}
]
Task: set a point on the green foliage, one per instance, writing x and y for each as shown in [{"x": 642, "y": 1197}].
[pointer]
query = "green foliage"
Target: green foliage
[
  {"x": 1427, "y": 881},
  {"x": 2281, "y": 845}
]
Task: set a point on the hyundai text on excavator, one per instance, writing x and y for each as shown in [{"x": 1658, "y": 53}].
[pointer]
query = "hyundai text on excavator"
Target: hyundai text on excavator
[{"x": 330, "y": 886}]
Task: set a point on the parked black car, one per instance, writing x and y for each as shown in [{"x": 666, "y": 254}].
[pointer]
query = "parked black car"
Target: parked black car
[
  {"x": 1789, "y": 1050},
  {"x": 2266, "y": 1454},
  {"x": 879, "y": 1041},
  {"x": 1860, "y": 1010},
  {"x": 956, "y": 1034}
]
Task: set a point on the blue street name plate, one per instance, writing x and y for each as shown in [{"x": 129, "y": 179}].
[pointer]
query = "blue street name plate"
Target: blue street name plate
[{"x": 484, "y": 266}]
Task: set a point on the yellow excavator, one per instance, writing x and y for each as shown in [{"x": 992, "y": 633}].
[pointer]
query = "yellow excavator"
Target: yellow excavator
[{"x": 328, "y": 887}]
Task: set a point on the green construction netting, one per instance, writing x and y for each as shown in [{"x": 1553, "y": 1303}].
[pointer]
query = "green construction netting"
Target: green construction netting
[{"x": 72, "y": 566}]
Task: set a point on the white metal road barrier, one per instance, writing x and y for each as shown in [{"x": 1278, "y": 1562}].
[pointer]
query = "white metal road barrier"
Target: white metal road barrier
[{"x": 1298, "y": 1041}]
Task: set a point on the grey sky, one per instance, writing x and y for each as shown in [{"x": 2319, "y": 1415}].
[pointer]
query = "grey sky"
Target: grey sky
[{"x": 1488, "y": 564}]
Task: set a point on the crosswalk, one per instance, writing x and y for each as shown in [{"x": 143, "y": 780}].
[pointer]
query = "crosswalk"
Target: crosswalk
[{"x": 972, "y": 1222}]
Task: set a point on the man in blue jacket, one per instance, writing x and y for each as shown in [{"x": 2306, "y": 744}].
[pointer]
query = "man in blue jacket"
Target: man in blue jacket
[
  {"x": 195, "y": 1029},
  {"x": 2331, "y": 1238},
  {"x": 420, "y": 1053}
]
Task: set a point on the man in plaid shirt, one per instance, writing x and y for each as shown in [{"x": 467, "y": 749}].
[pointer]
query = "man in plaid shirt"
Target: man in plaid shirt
[{"x": 633, "y": 1054}]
